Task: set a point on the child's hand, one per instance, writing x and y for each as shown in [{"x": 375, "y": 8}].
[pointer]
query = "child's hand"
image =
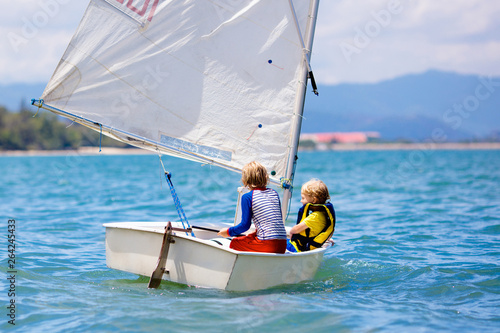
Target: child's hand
[{"x": 223, "y": 232}]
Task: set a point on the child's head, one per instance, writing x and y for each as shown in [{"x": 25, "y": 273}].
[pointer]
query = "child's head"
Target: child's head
[
  {"x": 254, "y": 175},
  {"x": 314, "y": 191}
]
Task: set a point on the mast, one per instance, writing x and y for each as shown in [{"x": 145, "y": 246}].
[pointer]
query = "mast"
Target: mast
[{"x": 299, "y": 102}]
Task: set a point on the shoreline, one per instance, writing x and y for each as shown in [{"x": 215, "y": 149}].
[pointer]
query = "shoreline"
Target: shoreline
[
  {"x": 84, "y": 151},
  {"x": 90, "y": 151},
  {"x": 412, "y": 146}
]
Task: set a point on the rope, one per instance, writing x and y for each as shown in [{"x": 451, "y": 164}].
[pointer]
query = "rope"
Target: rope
[
  {"x": 286, "y": 183},
  {"x": 177, "y": 202},
  {"x": 306, "y": 51},
  {"x": 100, "y": 137},
  {"x": 39, "y": 106}
]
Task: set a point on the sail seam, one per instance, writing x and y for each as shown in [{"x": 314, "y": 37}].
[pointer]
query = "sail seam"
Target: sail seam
[{"x": 125, "y": 13}]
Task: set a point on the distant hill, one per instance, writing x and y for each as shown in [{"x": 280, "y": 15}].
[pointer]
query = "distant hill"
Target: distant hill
[{"x": 409, "y": 107}]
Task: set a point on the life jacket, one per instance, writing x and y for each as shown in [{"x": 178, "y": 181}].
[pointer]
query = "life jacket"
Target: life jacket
[{"x": 306, "y": 242}]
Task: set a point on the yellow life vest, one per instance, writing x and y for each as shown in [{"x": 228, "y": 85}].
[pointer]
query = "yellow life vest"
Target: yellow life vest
[{"x": 304, "y": 241}]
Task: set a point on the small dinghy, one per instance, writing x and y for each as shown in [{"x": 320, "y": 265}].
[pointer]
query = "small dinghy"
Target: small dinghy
[{"x": 218, "y": 82}]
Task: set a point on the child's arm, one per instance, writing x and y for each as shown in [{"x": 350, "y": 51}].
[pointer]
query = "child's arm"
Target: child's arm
[
  {"x": 246, "y": 218},
  {"x": 223, "y": 233},
  {"x": 298, "y": 228}
]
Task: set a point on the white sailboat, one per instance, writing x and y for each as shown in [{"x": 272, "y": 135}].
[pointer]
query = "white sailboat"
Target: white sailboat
[{"x": 221, "y": 82}]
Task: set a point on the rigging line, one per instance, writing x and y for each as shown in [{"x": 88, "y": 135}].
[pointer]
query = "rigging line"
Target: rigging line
[
  {"x": 100, "y": 137},
  {"x": 286, "y": 183},
  {"x": 177, "y": 202},
  {"x": 159, "y": 168},
  {"x": 307, "y": 52},
  {"x": 296, "y": 20},
  {"x": 39, "y": 107}
]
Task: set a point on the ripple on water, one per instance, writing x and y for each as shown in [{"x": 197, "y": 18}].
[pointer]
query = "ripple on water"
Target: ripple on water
[{"x": 416, "y": 253}]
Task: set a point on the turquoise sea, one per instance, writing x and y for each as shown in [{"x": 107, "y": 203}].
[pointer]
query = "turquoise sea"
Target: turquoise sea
[{"x": 417, "y": 245}]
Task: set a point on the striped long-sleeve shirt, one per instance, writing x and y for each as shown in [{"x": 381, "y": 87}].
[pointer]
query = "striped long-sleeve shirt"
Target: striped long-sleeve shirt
[{"x": 263, "y": 207}]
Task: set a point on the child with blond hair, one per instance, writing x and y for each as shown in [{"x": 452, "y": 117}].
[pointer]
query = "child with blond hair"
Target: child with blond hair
[
  {"x": 316, "y": 219},
  {"x": 262, "y": 206}
]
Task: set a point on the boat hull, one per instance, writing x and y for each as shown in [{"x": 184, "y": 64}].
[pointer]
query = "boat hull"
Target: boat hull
[{"x": 134, "y": 247}]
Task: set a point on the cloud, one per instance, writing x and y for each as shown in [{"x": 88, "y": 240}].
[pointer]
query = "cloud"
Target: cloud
[
  {"x": 34, "y": 35},
  {"x": 356, "y": 41},
  {"x": 369, "y": 42}
]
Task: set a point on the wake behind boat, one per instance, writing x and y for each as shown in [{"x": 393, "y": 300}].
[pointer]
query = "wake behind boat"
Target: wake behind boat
[{"x": 218, "y": 82}]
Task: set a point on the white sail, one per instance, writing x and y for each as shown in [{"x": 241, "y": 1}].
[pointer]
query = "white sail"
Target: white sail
[{"x": 210, "y": 80}]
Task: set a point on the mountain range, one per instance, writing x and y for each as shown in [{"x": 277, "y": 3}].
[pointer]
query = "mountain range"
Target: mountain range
[
  {"x": 432, "y": 105},
  {"x": 418, "y": 107}
]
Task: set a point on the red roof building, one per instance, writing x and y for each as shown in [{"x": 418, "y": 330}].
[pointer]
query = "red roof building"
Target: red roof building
[{"x": 340, "y": 137}]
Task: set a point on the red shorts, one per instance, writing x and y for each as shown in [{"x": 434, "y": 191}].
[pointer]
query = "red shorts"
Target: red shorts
[{"x": 251, "y": 243}]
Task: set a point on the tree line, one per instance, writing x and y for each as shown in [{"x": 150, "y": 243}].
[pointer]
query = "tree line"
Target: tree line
[{"x": 28, "y": 130}]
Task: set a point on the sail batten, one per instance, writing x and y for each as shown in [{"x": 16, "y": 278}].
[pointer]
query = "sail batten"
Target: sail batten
[{"x": 214, "y": 81}]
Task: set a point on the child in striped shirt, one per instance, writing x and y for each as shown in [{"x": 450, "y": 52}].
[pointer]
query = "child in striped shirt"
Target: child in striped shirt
[{"x": 262, "y": 206}]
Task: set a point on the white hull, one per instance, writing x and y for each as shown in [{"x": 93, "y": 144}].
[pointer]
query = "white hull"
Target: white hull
[{"x": 135, "y": 246}]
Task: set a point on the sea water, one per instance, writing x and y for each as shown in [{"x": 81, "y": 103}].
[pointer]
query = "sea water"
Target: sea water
[{"x": 417, "y": 245}]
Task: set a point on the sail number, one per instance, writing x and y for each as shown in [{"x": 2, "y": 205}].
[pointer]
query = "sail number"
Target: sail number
[{"x": 145, "y": 11}]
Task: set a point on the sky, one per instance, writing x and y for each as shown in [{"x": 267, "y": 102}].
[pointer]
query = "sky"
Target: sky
[{"x": 356, "y": 41}]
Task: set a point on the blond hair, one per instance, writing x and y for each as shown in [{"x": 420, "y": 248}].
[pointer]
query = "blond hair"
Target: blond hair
[
  {"x": 317, "y": 190},
  {"x": 254, "y": 175}
]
